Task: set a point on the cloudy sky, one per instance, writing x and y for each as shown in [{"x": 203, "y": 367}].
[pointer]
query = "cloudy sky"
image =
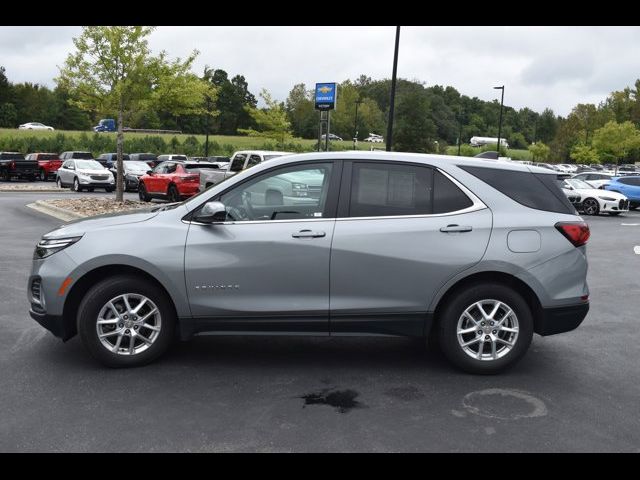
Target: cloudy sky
[{"x": 540, "y": 67}]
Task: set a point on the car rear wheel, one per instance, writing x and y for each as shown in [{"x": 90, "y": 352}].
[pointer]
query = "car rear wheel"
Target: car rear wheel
[
  {"x": 142, "y": 193},
  {"x": 5, "y": 176},
  {"x": 126, "y": 321},
  {"x": 172, "y": 194},
  {"x": 43, "y": 175},
  {"x": 591, "y": 206},
  {"x": 485, "y": 329}
]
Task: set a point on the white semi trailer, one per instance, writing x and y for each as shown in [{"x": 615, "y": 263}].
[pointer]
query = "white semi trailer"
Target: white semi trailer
[{"x": 480, "y": 141}]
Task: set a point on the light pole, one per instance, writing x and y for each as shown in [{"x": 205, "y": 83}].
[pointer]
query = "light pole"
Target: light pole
[
  {"x": 393, "y": 92},
  {"x": 355, "y": 126},
  {"x": 500, "y": 121},
  {"x": 460, "y": 131},
  {"x": 206, "y": 142}
]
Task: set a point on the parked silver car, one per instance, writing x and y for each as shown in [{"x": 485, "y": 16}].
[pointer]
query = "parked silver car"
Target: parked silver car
[
  {"x": 84, "y": 174},
  {"x": 474, "y": 253}
]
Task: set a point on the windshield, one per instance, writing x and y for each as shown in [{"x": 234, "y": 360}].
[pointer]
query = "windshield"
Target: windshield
[
  {"x": 86, "y": 155},
  {"x": 47, "y": 157},
  {"x": 133, "y": 166},
  {"x": 578, "y": 184},
  {"x": 88, "y": 165}
]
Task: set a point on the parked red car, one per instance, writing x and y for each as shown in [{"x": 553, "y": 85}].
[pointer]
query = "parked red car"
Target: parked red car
[
  {"x": 171, "y": 181},
  {"x": 48, "y": 164}
]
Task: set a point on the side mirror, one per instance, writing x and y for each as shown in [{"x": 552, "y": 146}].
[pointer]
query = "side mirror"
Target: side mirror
[
  {"x": 212, "y": 212},
  {"x": 149, "y": 172}
]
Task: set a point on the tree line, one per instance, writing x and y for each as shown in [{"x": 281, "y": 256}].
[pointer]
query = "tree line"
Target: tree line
[{"x": 427, "y": 119}]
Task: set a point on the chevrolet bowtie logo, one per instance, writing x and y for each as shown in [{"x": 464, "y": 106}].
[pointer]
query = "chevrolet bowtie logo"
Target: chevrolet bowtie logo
[{"x": 324, "y": 89}]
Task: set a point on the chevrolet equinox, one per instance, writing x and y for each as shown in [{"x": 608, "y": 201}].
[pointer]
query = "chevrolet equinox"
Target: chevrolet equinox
[{"x": 475, "y": 254}]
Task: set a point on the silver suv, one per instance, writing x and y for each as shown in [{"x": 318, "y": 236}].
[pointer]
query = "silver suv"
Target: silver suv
[{"x": 476, "y": 254}]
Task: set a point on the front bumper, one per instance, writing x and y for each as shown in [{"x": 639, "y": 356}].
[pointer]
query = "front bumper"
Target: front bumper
[
  {"x": 560, "y": 319},
  {"x": 53, "y": 323},
  {"x": 98, "y": 185},
  {"x": 614, "y": 206}
]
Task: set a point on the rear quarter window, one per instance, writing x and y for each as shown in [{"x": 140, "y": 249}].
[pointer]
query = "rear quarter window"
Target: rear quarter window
[{"x": 534, "y": 190}]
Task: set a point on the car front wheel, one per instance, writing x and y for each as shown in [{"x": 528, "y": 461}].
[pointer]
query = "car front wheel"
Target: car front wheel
[
  {"x": 485, "y": 329},
  {"x": 58, "y": 182},
  {"x": 591, "y": 206},
  {"x": 126, "y": 321},
  {"x": 76, "y": 185}
]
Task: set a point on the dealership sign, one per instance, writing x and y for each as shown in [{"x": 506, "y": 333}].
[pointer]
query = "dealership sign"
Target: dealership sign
[{"x": 326, "y": 94}]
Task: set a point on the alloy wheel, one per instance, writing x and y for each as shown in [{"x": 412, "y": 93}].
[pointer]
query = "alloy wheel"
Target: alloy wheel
[
  {"x": 590, "y": 207},
  {"x": 128, "y": 324},
  {"x": 488, "y": 330}
]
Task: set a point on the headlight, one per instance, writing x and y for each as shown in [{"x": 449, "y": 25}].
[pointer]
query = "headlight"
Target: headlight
[
  {"x": 47, "y": 247},
  {"x": 608, "y": 199}
]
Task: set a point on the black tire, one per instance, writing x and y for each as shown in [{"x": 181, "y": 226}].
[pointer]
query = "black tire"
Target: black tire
[
  {"x": 59, "y": 182},
  {"x": 102, "y": 293},
  {"x": 447, "y": 324},
  {"x": 76, "y": 185},
  {"x": 172, "y": 194},
  {"x": 43, "y": 176},
  {"x": 5, "y": 176},
  {"x": 614, "y": 214},
  {"x": 142, "y": 193},
  {"x": 633, "y": 206},
  {"x": 590, "y": 206},
  {"x": 108, "y": 189}
]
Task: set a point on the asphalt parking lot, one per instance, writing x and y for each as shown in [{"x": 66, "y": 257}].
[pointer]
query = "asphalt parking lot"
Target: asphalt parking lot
[{"x": 573, "y": 392}]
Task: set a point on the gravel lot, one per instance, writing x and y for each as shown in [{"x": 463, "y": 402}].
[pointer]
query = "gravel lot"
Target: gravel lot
[{"x": 573, "y": 392}]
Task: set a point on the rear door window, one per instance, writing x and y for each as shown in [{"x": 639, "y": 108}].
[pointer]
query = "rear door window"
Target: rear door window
[
  {"x": 237, "y": 163},
  {"x": 390, "y": 190}
]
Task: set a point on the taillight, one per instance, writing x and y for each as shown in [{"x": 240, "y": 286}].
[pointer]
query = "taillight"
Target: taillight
[
  {"x": 191, "y": 178},
  {"x": 576, "y": 232}
]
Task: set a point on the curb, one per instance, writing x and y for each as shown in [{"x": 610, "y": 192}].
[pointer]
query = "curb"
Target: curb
[
  {"x": 34, "y": 190},
  {"x": 53, "y": 211}
]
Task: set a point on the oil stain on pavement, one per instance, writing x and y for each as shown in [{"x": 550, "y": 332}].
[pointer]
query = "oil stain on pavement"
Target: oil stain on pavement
[{"x": 342, "y": 400}]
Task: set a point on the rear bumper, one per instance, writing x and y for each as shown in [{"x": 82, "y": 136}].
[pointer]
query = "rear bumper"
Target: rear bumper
[
  {"x": 560, "y": 319},
  {"x": 53, "y": 323},
  {"x": 188, "y": 190}
]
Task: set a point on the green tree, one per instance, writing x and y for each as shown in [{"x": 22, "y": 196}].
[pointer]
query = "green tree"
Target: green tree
[
  {"x": 539, "y": 151},
  {"x": 617, "y": 139},
  {"x": 414, "y": 131},
  {"x": 271, "y": 122},
  {"x": 113, "y": 72},
  {"x": 582, "y": 153}
]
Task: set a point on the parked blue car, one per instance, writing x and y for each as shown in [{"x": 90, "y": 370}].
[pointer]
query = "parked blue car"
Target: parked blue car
[{"x": 629, "y": 186}]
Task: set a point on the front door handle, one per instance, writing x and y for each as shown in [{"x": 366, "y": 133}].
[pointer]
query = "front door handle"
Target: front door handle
[
  {"x": 308, "y": 234},
  {"x": 456, "y": 228}
]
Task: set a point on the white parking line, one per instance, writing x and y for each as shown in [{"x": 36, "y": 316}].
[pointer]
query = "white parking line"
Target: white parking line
[
  {"x": 636, "y": 249},
  {"x": 630, "y": 224}
]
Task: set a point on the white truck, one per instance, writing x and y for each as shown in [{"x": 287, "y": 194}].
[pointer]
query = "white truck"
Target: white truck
[
  {"x": 239, "y": 161},
  {"x": 480, "y": 141}
]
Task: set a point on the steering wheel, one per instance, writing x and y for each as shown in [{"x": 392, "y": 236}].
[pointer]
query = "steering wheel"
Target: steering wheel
[
  {"x": 249, "y": 213},
  {"x": 235, "y": 214}
]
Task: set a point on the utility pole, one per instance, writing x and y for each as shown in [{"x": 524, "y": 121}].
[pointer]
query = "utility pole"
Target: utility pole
[
  {"x": 355, "y": 126},
  {"x": 500, "y": 121},
  {"x": 393, "y": 92}
]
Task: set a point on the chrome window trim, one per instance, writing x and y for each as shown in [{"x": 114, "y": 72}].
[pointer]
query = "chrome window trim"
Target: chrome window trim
[{"x": 477, "y": 205}]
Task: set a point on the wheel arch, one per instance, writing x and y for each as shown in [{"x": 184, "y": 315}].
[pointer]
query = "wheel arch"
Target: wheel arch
[
  {"x": 502, "y": 278},
  {"x": 84, "y": 283}
]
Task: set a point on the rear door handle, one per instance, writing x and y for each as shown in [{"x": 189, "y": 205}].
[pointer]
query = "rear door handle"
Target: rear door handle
[
  {"x": 456, "y": 228},
  {"x": 308, "y": 234}
]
